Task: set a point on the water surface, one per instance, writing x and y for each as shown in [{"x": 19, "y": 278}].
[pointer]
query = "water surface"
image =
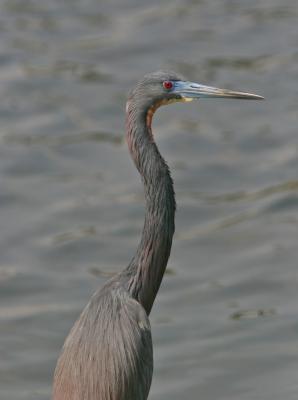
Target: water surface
[{"x": 225, "y": 321}]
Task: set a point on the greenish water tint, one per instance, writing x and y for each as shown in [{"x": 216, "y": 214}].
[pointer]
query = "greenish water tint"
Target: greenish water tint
[{"x": 225, "y": 321}]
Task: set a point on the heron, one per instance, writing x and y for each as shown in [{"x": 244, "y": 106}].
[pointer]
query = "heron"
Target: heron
[{"x": 108, "y": 354}]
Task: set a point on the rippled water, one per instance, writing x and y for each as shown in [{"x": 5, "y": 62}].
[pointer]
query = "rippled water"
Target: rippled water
[{"x": 225, "y": 321}]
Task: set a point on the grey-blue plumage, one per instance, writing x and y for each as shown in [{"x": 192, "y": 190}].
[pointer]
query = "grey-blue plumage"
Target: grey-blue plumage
[
  {"x": 108, "y": 353},
  {"x": 108, "y": 350}
]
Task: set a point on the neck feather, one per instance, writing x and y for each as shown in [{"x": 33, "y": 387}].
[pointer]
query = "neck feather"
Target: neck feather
[{"x": 145, "y": 272}]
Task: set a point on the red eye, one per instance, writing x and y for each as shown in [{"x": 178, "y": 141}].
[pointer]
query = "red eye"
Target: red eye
[{"x": 167, "y": 85}]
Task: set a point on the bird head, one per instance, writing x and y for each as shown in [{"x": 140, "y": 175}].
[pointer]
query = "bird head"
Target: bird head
[{"x": 166, "y": 87}]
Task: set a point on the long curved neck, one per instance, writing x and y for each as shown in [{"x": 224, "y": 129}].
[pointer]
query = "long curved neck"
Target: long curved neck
[{"x": 147, "y": 267}]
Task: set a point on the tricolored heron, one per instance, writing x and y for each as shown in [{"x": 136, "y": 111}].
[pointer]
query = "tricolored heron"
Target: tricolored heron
[{"x": 108, "y": 353}]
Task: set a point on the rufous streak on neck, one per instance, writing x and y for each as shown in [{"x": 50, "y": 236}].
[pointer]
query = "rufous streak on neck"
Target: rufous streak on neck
[{"x": 145, "y": 272}]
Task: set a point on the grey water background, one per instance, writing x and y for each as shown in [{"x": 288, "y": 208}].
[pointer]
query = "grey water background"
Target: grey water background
[{"x": 225, "y": 323}]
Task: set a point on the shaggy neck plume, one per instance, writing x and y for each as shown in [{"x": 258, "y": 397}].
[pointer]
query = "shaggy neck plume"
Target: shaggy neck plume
[{"x": 146, "y": 269}]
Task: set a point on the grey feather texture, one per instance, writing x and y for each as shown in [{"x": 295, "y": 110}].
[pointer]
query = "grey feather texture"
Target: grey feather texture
[{"x": 108, "y": 353}]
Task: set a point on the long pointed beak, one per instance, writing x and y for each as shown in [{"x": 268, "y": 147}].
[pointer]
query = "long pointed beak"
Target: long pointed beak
[{"x": 190, "y": 91}]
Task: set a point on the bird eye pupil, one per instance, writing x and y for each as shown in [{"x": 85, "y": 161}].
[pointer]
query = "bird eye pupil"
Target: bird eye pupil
[{"x": 167, "y": 85}]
